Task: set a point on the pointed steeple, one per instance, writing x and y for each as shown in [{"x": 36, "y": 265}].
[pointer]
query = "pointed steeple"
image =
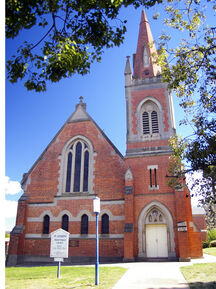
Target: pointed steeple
[{"x": 144, "y": 66}]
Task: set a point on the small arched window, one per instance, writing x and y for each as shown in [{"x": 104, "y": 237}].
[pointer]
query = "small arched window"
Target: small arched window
[
  {"x": 77, "y": 174},
  {"x": 105, "y": 224},
  {"x": 46, "y": 224},
  {"x": 84, "y": 224},
  {"x": 65, "y": 221}
]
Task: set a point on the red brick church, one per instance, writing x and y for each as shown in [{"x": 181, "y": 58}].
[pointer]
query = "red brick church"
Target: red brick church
[{"x": 141, "y": 217}]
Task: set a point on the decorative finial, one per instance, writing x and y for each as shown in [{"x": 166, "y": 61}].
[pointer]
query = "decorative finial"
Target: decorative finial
[{"x": 81, "y": 98}]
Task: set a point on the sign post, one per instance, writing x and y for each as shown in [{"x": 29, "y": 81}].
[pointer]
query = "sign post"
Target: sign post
[
  {"x": 59, "y": 247},
  {"x": 96, "y": 209}
]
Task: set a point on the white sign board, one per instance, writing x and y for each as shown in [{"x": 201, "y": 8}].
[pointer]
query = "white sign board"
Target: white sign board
[
  {"x": 182, "y": 224},
  {"x": 182, "y": 229},
  {"x": 59, "y": 244}
]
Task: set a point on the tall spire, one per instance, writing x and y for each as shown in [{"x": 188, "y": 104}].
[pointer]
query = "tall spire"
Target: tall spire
[{"x": 144, "y": 66}]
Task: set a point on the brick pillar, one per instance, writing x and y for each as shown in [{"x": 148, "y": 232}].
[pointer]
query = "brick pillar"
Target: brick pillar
[
  {"x": 17, "y": 235},
  {"x": 194, "y": 234},
  {"x": 182, "y": 226},
  {"x": 129, "y": 218}
]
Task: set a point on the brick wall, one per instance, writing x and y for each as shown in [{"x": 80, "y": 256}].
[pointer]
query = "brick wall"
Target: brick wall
[
  {"x": 200, "y": 222},
  {"x": 43, "y": 182}
]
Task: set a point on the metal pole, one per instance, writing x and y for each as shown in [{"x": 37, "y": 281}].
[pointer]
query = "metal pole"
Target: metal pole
[
  {"x": 58, "y": 272},
  {"x": 97, "y": 254}
]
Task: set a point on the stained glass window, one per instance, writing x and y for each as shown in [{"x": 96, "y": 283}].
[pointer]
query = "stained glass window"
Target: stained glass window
[
  {"x": 68, "y": 178},
  {"x": 77, "y": 167}
]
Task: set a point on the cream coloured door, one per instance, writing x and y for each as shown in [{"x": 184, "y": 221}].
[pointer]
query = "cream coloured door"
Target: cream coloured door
[{"x": 156, "y": 241}]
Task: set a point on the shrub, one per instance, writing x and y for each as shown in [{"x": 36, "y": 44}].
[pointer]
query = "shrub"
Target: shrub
[
  {"x": 211, "y": 235},
  {"x": 213, "y": 243},
  {"x": 205, "y": 245}
]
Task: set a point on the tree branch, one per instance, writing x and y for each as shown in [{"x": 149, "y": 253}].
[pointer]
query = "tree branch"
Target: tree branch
[{"x": 42, "y": 38}]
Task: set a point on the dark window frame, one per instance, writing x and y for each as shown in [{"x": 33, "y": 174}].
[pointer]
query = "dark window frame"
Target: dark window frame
[
  {"x": 84, "y": 224},
  {"x": 105, "y": 224},
  {"x": 46, "y": 224},
  {"x": 153, "y": 178},
  {"x": 65, "y": 222}
]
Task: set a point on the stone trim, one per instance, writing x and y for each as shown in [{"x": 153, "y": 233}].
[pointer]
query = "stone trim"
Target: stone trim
[
  {"x": 18, "y": 229},
  {"x": 152, "y": 167},
  {"x": 153, "y": 188},
  {"x": 128, "y": 175},
  {"x": 75, "y": 218},
  {"x": 141, "y": 228},
  {"x": 74, "y": 196},
  {"x": 148, "y": 151},
  {"x": 75, "y": 236},
  {"x": 24, "y": 197}
]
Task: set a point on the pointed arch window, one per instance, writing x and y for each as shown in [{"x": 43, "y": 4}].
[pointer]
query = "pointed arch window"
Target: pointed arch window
[
  {"x": 77, "y": 174},
  {"x": 105, "y": 224},
  {"x": 84, "y": 224},
  {"x": 149, "y": 119},
  {"x": 46, "y": 224},
  {"x": 65, "y": 221}
]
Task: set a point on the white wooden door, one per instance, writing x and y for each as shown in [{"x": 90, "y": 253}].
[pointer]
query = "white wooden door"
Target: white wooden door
[{"x": 156, "y": 241}]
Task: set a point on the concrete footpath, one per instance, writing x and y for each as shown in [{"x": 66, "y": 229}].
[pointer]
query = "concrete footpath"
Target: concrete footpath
[{"x": 155, "y": 275}]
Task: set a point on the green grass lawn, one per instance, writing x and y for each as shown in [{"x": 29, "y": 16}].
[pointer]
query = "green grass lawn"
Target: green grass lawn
[
  {"x": 70, "y": 277},
  {"x": 210, "y": 251},
  {"x": 200, "y": 275}
]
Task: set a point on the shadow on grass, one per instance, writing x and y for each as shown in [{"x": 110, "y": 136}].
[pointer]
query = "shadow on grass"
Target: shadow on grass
[{"x": 202, "y": 285}]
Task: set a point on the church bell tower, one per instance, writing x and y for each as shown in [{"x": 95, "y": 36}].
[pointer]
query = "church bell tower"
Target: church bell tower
[
  {"x": 150, "y": 124},
  {"x": 150, "y": 116}
]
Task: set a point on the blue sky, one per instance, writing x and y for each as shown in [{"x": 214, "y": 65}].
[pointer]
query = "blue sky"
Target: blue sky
[{"x": 33, "y": 119}]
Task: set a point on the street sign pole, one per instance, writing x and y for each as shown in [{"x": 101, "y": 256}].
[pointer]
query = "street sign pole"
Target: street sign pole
[
  {"x": 96, "y": 209},
  {"x": 58, "y": 271}
]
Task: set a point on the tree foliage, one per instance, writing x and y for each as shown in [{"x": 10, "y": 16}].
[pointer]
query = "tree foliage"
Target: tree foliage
[
  {"x": 73, "y": 35},
  {"x": 190, "y": 70}
]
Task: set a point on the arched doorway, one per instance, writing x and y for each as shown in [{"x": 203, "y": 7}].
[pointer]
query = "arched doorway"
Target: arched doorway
[
  {"x": 155, "y": 232},
  {"x": 156, "y": 235}
]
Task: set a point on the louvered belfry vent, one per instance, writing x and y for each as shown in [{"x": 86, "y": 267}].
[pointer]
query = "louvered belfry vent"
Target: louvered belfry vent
[
  {"x": 154, "y": 119},
  {"x": 145, "y": 118}
]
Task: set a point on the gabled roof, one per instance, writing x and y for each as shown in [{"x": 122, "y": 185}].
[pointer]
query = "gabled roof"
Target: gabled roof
[{"x": 78, "y": 115}]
